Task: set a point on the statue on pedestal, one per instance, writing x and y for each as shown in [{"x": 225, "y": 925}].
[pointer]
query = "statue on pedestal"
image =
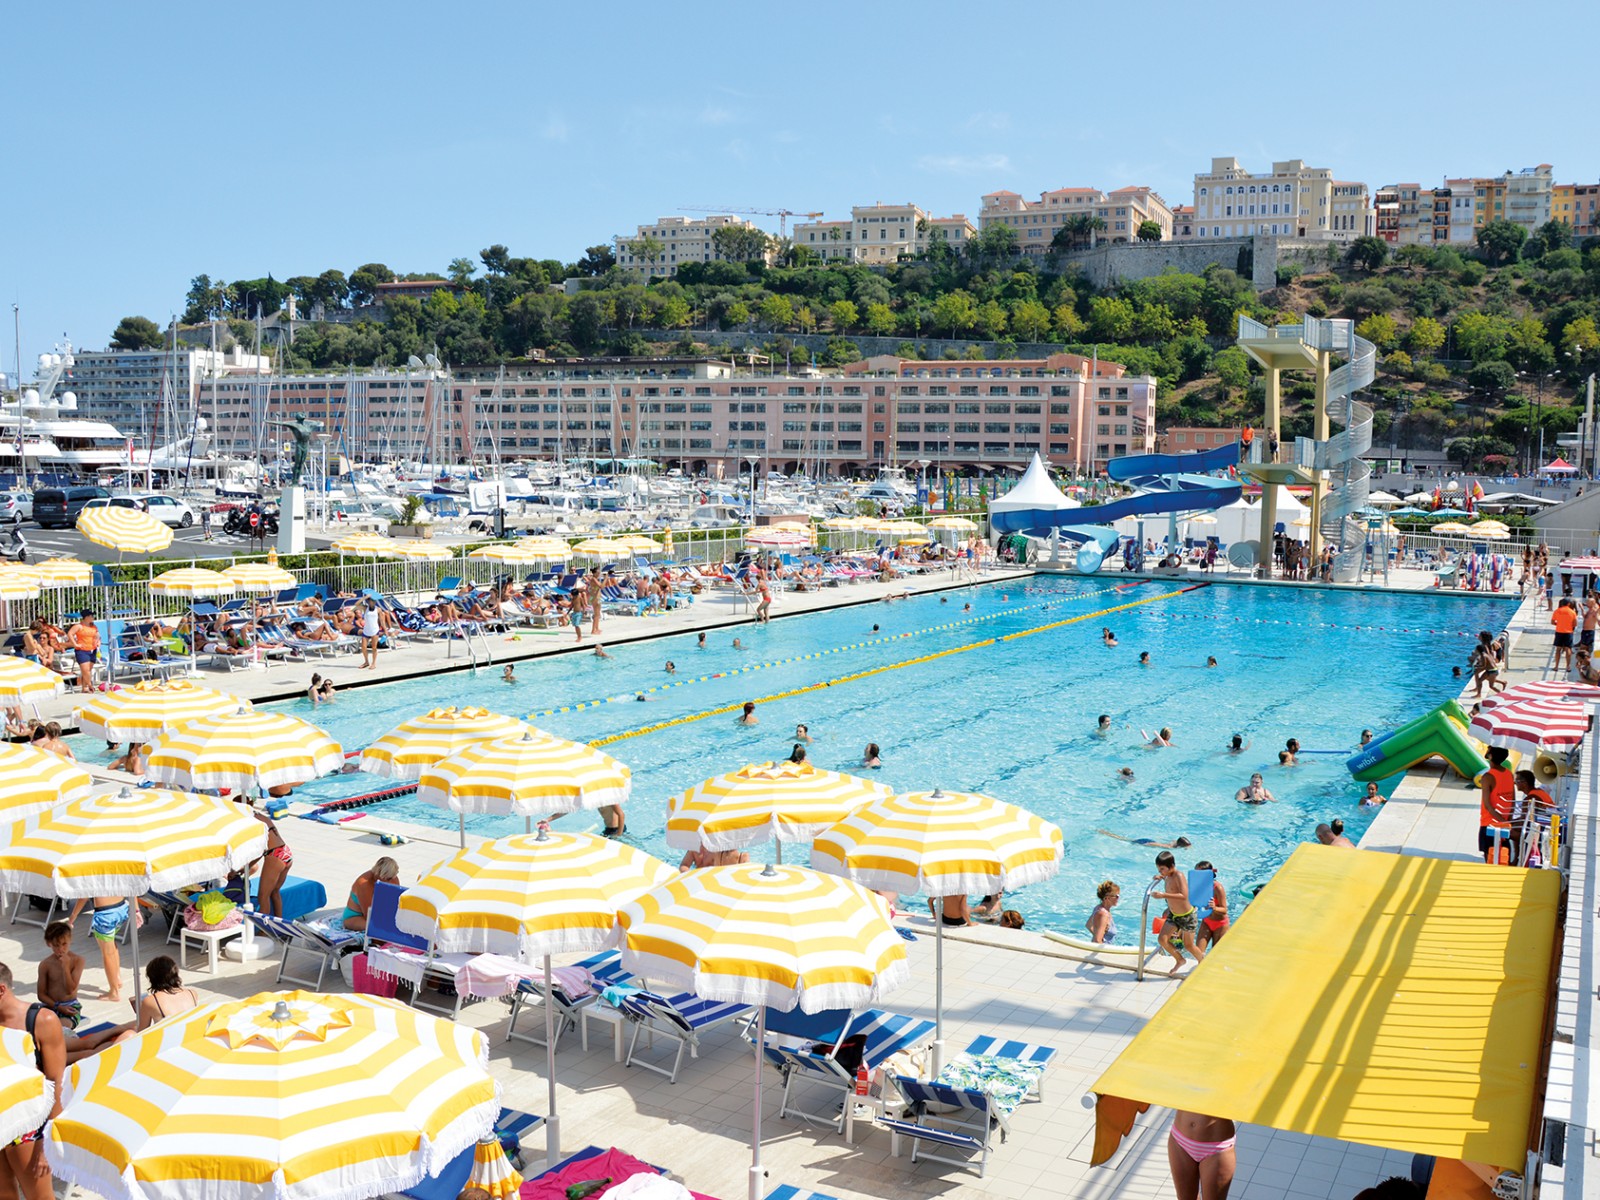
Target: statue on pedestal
[{"x": 303, "y": 431}]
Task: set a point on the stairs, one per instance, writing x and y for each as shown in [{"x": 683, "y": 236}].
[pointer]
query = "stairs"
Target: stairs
[{"x": 1340, "y": 456}]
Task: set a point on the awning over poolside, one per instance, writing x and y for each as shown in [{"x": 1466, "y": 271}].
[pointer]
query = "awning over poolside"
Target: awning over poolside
[{"x": 1390, "y": 1000}]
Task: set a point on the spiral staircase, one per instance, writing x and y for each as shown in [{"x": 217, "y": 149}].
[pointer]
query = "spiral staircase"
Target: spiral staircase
[
  {"x": 1308, "y": 344},
  {"x": 1339, "y": 457}
]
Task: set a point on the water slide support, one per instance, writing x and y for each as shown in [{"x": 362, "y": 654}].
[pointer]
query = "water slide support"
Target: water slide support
[
  {"x": 1320, "y": 431},
  {"x": 1269, "y": 490}
]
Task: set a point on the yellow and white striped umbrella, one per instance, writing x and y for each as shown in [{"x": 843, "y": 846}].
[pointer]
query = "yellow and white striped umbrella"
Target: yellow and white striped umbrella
[
  {"x": 413, "y": 746},
  {"x": 414, "y": 551},
  {"x": 244, "y": 750},
  {"x": 791, "y": 802},
  {"x": 24, "y": 682},
  {"x": 529, "y": 895},
  {"x": 1449, "y": 528},
  {"x": 958, "y": 524},
  {"x": 32, "y": 781},
  {"x": 62, "y": 572},
  {"x": 148, "y": 709},
  {"x": 512, "y": 553},
  {"x": 126, "y": 530},
  {"x": 26, "y": 1096},
  {"x": 284, "y": 1096},
  {"x": 765, "y": 935},
  {"x": 551, "y": 549},
  {"x": 783, "y": 937},
  {"x": 640, "y": 546},
  {"x": 528, "y": 775},
  {"x": 125, "y": 843},
  {"x": 192, "y": 583},
  {"x": 598, "y": 547},
  {"x": 940, "y": 844},
  {"x": 365, "y": 545},
  {"x": 771, "y": 535},
  {"x": 258, "y": 578},
  {"x": 19, "y": 584},
  {"x": 492, "y": 1171}
]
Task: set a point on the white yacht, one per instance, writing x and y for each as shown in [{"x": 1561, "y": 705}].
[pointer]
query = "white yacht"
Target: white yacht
[{"x": 40, "y": 425}]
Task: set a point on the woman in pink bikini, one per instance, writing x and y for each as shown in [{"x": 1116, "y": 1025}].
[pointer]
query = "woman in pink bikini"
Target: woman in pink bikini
[{"x": 1200, "y": 1153}]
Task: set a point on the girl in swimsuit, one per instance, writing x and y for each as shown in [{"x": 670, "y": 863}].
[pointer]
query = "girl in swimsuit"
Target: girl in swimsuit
[
  {"x": 167, "y": 996},
  {"x": 274, "y": 868},
  {"x": 1201, "y": 1155}
]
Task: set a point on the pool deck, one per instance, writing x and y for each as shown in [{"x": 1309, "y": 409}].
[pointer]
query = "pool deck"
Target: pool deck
[{"x": 1013, "y": 984}]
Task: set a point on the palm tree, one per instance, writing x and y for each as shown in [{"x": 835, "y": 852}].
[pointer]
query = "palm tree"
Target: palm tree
[{"x": 1094, "y": 225}]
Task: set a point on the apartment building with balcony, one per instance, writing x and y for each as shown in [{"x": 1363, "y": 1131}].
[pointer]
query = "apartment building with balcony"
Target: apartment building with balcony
[
  {"x": 1182, "y": 222},
  {"x": 706, "y": 415},
  {"x": 682, "y": 240},
  {"x": 1290, "y": 200},
  {"x": 143, "y": 392},
  {"x": 881, "y": 233},
  {"x": 1037, "y": 222},
  {"x": 1186, "y": 439},
  {"x": 1386, "y": 213},
  {"x": 1576, "y": 205}
]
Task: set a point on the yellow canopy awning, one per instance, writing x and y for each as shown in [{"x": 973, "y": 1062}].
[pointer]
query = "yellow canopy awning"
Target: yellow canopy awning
[{"x": 1385, "y": 999}]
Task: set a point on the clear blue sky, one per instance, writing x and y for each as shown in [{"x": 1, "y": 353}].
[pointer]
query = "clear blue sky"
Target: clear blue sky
[{"x": 146, "y": 145}]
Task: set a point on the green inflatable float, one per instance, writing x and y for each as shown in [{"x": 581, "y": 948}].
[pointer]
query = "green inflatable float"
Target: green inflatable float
[{"x": 1442, "y": 732}]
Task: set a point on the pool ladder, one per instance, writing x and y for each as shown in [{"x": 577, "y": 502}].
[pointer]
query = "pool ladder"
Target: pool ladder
[
  {"x": 476, "y": 642},
  {"x": 1144, "y": 925}
]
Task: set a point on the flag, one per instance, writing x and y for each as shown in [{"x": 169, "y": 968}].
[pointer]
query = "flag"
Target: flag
[{"x": 1477, "y": 490}]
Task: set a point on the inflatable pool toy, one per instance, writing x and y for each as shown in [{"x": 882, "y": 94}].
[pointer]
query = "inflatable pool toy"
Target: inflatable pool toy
[{"x": 1441, "y": 733}]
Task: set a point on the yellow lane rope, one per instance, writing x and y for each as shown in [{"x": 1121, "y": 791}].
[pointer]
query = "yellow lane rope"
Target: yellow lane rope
[{"x": 909, "y": 662}]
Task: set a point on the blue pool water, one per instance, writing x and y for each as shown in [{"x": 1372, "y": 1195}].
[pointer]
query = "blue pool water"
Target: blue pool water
[{"x": 1014, "y": 719}]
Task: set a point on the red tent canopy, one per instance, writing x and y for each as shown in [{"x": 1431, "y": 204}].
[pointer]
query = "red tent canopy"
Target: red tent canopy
[{"x": 1559, "y": 464}]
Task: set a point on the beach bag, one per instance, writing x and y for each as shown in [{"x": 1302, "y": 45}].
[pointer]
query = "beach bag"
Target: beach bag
[{"x": 211, "y": 910}]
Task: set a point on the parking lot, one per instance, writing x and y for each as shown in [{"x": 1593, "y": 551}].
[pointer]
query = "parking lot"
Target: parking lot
[{"x": 186, "y": 543}]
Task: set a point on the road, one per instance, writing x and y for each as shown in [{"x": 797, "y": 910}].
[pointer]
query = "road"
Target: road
[{"x": 186, "y": 543}]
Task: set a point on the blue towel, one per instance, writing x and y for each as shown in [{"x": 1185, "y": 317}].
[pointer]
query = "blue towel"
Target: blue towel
[{"x": 905, "y": 933}]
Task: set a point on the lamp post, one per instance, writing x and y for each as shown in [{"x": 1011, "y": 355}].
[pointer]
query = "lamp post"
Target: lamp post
[{"x": 752, "y": 459}]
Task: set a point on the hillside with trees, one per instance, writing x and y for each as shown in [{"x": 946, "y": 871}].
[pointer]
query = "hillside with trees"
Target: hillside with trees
[{"x": 1475, "y": 347}]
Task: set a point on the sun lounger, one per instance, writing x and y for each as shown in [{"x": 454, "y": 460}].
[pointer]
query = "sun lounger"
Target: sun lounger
[
  {"x": 591, "y": 1162},
  {"x": 606, "y": 968},
  {"x": 787, "y": 1191},
  {"x": 792, "y": 1046},
  {"x": 1028, "y": 1052},
  {"x": 422, "y": 965},
  {"x": 953, "y": 1118},
  {"x": 681, "y": 1017},
  {"x": 313, "y": 939}
]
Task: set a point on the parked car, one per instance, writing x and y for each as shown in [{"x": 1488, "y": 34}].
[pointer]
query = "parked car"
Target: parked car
[
  {"x": 16, "y": 505},
  {"x": 169, "y": 510},
  {"x": 59, "y": 507}
]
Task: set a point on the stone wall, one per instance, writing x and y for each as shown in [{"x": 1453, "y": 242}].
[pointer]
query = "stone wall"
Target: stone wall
[{"x": 1257, "y": 258}]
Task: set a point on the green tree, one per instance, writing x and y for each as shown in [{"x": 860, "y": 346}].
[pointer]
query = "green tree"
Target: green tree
[
  {"x": 203, "y": 301},
  {"x": 1379, "y": 329},
  {"x": 777, "y": 312},
  {"x": 460, "y": 271},
  {"x": 1068, "y": 323},
  {"x": 1110, "y": 319},
  {"x": 674, "y": 313},
  {"x": 1149, "y": 231},
  {"x": 496, "y": 259},
  {"x": 805, "y": 320},
  {"x": 880, "y": 320},
  {"x": 1369, "y": 253},
  {"x": 587, "y": 317},
  {"x": 1496, "y": 377},
  {"x": 1580, "y": 338},
  {"x": 843, "y": 314},
  {"x": 840, "y": 352},
  {"x": 741, "y": 243},
  {"x": 1154, "y": 323},
  {"x": 596, "y": 261},
  {"x": 1426, "y": 336},
  {"x": 996, "y": 244},
  {"x": 1030, "y": 321},
  {"x": 991, "y": 319},
  {"x": 735, "y": 315},
  {"x": 954, "y": 312},
  {"x": 1549, "y": 237},
  {"x": 364, "y": 281},
  {"x": 1232, "y": 367},
  {"x": 136, "y": 333},
  {"x": 648, "y": 248},
  {"x": 1500, "y": 241},
  {"x": 331, "y": 288}
]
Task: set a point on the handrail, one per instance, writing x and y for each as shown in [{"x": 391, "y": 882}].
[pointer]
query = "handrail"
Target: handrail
[{"x": 1144, "y": 925}]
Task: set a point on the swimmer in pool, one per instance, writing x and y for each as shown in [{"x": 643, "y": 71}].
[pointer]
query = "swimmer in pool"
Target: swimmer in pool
[
  {"x": 1144, "y": 658},
  {"x": 966, "y": 608},
  {"x": 737, "y": 644},
  {"x": 748, "y": 715},
  {"x": 1108, "y": 637},
  {"x": 1102, "y": 727},
  {"x": 802, "y": 734},
  {"x": 1162, "y": 739},
  {"x": 600, "y": 652},
  {"x": 1211, "y": 661},
  {"x": 1125, "y": 774},
  {"x": 700, "y": 642},
  {"x": 1178, "y": 843},
  {"x": 671, "y": 668},
  {"x": 1255, "y": 792},
  {"x": 1238, "y": 745}
]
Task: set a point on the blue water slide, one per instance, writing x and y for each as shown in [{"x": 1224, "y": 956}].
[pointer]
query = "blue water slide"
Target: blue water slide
[
  {"x": 1135, "y": 467},
  {"x": 1167, "y": 494}
]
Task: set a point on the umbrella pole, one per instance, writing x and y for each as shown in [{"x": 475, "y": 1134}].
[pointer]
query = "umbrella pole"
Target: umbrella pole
[
  {"x": 133, "y": 951},
  {"x": 552, "y": 1123},
  {"x": 938, "y": 991},
  {"x": 757, "y": 1174},
  {"x": 461, "y": 820}
]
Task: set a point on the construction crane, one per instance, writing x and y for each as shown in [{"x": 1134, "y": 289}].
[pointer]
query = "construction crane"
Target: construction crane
[{"x": 783, "y": 214}]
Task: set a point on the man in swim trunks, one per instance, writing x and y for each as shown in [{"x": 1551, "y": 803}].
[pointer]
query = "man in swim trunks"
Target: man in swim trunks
[
  {"x": 1255, "y": 792},
  {"x": 1200, "y": 1153},
  {"x": 1565, "y": 620},
  {"x": 1179, "y": 843},
  {"x": 1181, "y": 920},
  {"x": 110, "y": 914}
]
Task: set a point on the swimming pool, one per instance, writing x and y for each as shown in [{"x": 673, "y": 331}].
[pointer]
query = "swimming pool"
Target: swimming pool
[{"x": 1012, "y": 718}]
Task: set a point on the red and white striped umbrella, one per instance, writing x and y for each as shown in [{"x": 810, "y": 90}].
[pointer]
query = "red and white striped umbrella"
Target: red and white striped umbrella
[
  {"x": 1587, "y": 562},
  {"x": 1531, "y": 724},
  {"x": 1544, "y": 689}
]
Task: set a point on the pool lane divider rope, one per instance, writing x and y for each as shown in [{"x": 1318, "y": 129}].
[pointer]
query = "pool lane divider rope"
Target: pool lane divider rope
[
  {"x": 630, "y": 697},
  {"x": 896, "y": 666},
  {"x": 1316, "y": 625}
]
